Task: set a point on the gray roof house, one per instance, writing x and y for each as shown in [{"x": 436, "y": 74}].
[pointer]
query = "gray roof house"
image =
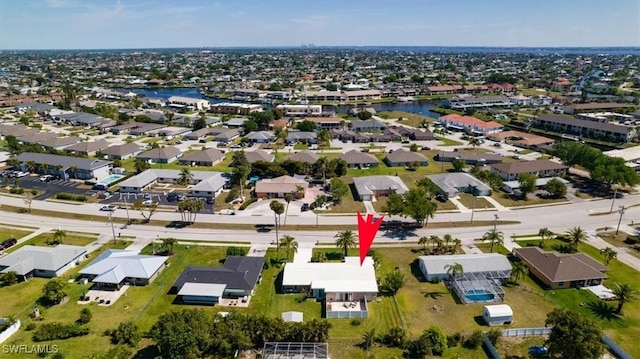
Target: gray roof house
[
  {"x": 303, "y": 156},
  {"x": 122, "y": 152},
  {"x": 454, "y": 183},
  {"x": 161, "y": 155},
  {"x": 205, "y": 157},
  {"x": 85, "y": 168},
  {"x": 48, "y": 262},
  {"x": 116, "y": 267},
  {"x": 401, "y": 158},
  {"x": 304, "y": 136},
  {"x": 260, "y": 137},
  {"x": 88, "y": 148},
  {"x": 370, "y": 125},
  {"x": 59, "y": 143},
  {"x": 470, "y": 158},
  {"x": 204, "y": 183},
  {"x": 235, "y": 122},
  {"x": 224, "y": 135},
  {"x": 210, "y": 186},
  {"x": 206, "y": 285},
  {"x": 375, "y": 186},
  {"x": 259, "y": 155},
  {"x": 358, "y": 159}
]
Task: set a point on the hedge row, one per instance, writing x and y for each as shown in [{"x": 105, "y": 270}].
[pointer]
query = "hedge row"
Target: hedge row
[
  {"x": 53, "y": 331},
  {"x": 71, "y": 197}
]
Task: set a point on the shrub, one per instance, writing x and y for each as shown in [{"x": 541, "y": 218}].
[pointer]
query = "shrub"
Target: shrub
[
  {"x": 16, "y": 190},
  {"x": 631, "y": 240},
  {"x": 436, "y": 280},
  {"x": 494, "y": 335},
  {"x": 395, "y": 337},
  {"x": 233, "y": 194},
  {"x": 247, "y": 203},
  {"x": 54, "y": 331},
  {"x": 64, "y": 196},
  {"x": 30, "y": 327},
  {"x": 125, "y": 333},
  {"x": 236, "y": 251},
  {"x": 85, "y": 316},
  {"x": 355, "y": 322},
  {"x": 454, "y": 339},
  {"x": 80, "y": 198},
  {"x": 473, "y": 341}
]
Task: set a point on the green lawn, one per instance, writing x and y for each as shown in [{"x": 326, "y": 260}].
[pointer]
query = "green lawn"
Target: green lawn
[
  {"x": 619, "y": 242},
  {"x": 507, "y": 200},
  {"x": 72, "y": 239},
  {"x": 300, "y": 146},
  {"x": 7, "y": 231},
  {"x": 471, "y": 201},
  {"x": 449, "y": 142}
]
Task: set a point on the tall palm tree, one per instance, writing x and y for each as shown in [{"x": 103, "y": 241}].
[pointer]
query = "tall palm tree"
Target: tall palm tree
[
  {"x": 299, "y": 190},
  {"x": 456, "y": 244},
  {"x": 73, "y": 170},
  {"x": 493, "y": 236},
  {"x": 518, "y": 269},
  {"x": 368, "y": 339},
  {"x": 31, "y": 166},
  {"x": 324, "y": 136},
  {"x": 434, "y": 239},
  {"x": 168, "y": 243},
  {"x": 576, "y": 235},
  {"x": 423, "y": 242},
  {"x": 624, "y": 293},
  {"x": 608, "y": 253},
  {"x": 447, "y": 239},
  {"x": 545, "y": 234},
  {"x": 58, "y": 236},
  {"x": 454, "y": 270},
  {"x": 289, "y": 243},
  {"x": 278, "y": 209},
  {"x": 185, "y": 176},
  {"x": 345, "y": 240},
  {"x": 287, "y": 198}
]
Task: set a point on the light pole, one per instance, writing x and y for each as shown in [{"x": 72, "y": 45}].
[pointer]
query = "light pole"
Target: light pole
[
  {"x": 622, "y": 209},
  {"x": 126, "y": 207},
  {"x": 473, "y": 208},
  {"x": 112, "y": 229},
  {"x": 613, "y": 200},
  {"x": 495, "y": 224}
]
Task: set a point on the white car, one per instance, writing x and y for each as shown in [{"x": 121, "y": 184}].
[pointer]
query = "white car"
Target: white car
[
  {"x": 148, "y": 203},
  {"x": 109, "y": 208}
]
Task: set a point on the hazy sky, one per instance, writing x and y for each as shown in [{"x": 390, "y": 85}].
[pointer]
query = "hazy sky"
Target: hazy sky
[{"x": 82, "y": 24}]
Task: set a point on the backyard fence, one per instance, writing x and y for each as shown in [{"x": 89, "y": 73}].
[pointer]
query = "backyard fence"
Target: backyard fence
[
  {"x": 491, "y": 349},
  {"x": 347, "y": 314},
  {"x": 615, "y": 348},
  {"x": 525, "y": 332}
]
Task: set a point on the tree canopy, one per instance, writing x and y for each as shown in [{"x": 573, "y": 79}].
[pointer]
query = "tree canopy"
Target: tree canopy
[
  {"x": 573, "y": 335},
  {"x": 414, "y": 204}
]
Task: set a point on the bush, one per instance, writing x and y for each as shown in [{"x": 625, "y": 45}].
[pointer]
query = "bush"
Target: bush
[
  {"x": 631, "y": 240},
  {"x": 454, "y": 339},
  {"x": 54, "y": 331},
  {"x": 236, "y": 251},
  {"x": 125, "y": 333},
  {"x": 64, "y": 196},
  {"x": 233, "y": 194},
  {"x": 436, "y": 280},
  {"x": 395, "y": 338},
  {"x": 247, "y": 203},
  {"x": 494, "y": 335},
  {"x": 16, "y": 190},
  {"x": 85, "y": 316},
  {"x": 355, "y": 322},
  {"x": 30, "y": 327},
  {"x": 80, "y": 198},
  {"x": 473, "y": 341}
]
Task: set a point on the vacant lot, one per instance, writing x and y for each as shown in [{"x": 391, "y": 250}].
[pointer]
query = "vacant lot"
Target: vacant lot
[{"x": 7, "y": 231}]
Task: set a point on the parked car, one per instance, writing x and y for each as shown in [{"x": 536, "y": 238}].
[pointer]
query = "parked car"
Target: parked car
[
  {"x": 46, "y": 178},
  {"x": 147, "y": 196},
  {"x": 108, "y": 208},
  {"x": 426, "y": 148},
  {"x": 305, "y": 207},
  {"x": 101, "y": 186},
  {"x": 147, "y": 203},
  {"x": 8, "y": 243},
  {"x": 172, "y": 197},
  {"x": 209, "y": 200},
  {"x": 498, "y": 144}
]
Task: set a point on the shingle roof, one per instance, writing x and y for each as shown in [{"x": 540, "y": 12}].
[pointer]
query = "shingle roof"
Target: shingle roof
[
  {"x": 89, "y": 146},
  {"x": 601, "y": 126},
  {"x": 357, "y": 157},
  {"x": 282, "y": 184},
  {"x": 161, "y": 153},
  {"x": 27, "y": 258},
  {"x": 303, "y": 156},
  {"x": 60, "y": 141},
  {"x": 207, "y": 155},
  {"x": 114, "y": 265},
  {"x": 454, "y": 182},
  {"x": 562, "y": 267},
  {"x": 402, "y": 156},
  {"x": 258, "y": 155},
  {"x": 468, "y": 156},
  {"x": 238, "y": 272},
  {"x": 120, "y": 150},
  {"x": 527, "y": 166},
  {"x": 369, "y": 184},
  {"x": 64, "y": 161},
  {"x": 261, "y": 136}
]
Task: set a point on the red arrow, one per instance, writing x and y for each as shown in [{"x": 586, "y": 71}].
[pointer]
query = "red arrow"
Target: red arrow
[{"x": 366, "y": 233}]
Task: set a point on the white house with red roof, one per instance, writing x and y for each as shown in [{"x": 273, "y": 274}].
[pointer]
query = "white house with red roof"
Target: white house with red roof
[{"x": 470, "y": 123}]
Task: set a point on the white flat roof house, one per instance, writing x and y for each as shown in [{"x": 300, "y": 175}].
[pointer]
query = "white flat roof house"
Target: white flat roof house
[
  {"x": 116, "y": 267},
  {"x": 179, "y": 101},
  {"x": 434, "y": 266},
  {"x": 47, "y": 262}
]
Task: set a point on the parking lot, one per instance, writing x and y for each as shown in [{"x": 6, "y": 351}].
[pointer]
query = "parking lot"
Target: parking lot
[
  {"x": 53, "y": 187},
  {"x": 160, "y": 197}
]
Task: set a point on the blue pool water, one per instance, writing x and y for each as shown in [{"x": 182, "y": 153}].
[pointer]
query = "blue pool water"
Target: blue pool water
[
  {"x": 478, "y": 296},
  {"x": 111, "y": 179}
]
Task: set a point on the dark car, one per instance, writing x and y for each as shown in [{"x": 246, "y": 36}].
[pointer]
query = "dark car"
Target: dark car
[
  {"x": 305, "y": 207},
  {"x": 172, "y": 197},
  {"x": 8, "y": 243},
  {"x": 442, "y": 198},
  {"x": 209, "y": 200}
]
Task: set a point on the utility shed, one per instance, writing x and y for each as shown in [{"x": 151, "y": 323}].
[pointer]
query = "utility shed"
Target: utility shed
[{"x": 499, "y": 314}]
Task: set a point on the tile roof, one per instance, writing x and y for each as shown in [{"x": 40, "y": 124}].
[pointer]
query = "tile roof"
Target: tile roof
[{"x": 282, "y": 184}]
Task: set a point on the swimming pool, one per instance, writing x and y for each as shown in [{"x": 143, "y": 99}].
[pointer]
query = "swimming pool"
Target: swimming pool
[
  {"x": 478, "y": 295},
  {"x": 111, "y": 179}
]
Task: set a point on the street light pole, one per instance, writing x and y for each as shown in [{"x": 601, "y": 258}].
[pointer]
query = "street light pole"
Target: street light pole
[
  {"x": 613, "y": 200},
  {"x": 622, "y": 210},
  {"x": 495, "y": 224},
  {"x": 112, "y": 229},
  {"x": 473, "y": 208},
  {"x": 126, "y": 207}
]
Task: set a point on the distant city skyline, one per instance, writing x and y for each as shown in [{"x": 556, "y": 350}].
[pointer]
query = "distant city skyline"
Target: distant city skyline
[{"x": 121, "y": 24}]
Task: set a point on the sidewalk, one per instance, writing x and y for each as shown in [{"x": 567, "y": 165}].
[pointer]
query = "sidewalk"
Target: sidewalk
[
  {"x": 460, "y": 206},
  {"x": 495, "y": 203}
]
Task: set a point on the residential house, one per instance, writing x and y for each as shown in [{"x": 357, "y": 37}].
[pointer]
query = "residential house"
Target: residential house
[
  {"x": 48, "y": 262},
  {"x": 540, "y": 168},
  {"x": 260, "y": 137},
  {"x": 327, "y": 123},
  {"x": 358, "y": 159},
  {"x": 212, "y": 182},
  {"x": 369, "y": 187},
  {"x": 371, "y": 125},
  {"x": 567, "y": 270},
  {"x": 471, "y": 124},
  {"x": 237, "y": 278},
  {"x": 420, "y": 135},
  {"x": 322, "y": 95},
  {"x": 235, "y": 122},
  {"x": 161, "y": 155},
  {"x": 459, "y": 182},
  {"x": 305, "y": 156},
  {"x": 469, "y": 157},
  {"x": 243, "y": 109},
  {"x": 301, "y": 136},
  {"x": 197, "y": 134},
  {"x": 224, "y": 135},
  {"x": 41, "y": 109},
  {"x": 206, "y": 157},
  {"x": 443, "y": 90},
  {"x": 60, "y": 143},
  {"x": 65, "y": 166},
  {"x": 344, "y": 287},
  {"x": 522, "y": 139},
  {"x": 122, "y": 152},
  {"x": 88, "y": 148},
  {"x": 278, "y": 187},
  {"x": 404, "y": 158},
  {"x": 359, "y": 95},
  {"x": 491, "y": 265},
  {"x": 188, "y": 102},
  {"x": 114, "y": 268},
  {"x": 34, "y": 137},
  {"x": 259, "y": 155}
]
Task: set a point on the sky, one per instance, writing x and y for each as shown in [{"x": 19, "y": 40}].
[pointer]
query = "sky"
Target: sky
[{"x": 120, "y": 24}]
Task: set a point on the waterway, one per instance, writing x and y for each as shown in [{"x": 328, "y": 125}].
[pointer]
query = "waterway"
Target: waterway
[{"x": 418, "y": 107}]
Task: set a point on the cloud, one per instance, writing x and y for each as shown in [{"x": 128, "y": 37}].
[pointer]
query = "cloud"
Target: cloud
[{"x": 312, "y": 20}]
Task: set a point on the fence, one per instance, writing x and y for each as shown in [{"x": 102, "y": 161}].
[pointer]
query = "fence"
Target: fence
[
  {"x": 492, "y": 351},
  {"x": 347, "y": 314},
  {"x": 9, "y": 331},
  {"x": 615, "y": 348},
  {"x": 525, "y": 332}
]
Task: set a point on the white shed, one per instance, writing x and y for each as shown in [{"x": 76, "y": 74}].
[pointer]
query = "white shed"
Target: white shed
[{"x": 499, "y": 314}]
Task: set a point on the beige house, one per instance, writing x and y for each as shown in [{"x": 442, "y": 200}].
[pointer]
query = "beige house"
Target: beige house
[{"x": 279, "y": 186}]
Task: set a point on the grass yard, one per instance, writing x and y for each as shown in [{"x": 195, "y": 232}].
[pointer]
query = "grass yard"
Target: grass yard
[
  {"x": 7, "y": 231},
  {"x": 72, "y": 239},
  {"x": 449, "y": 142},
  {"x": 300, "y": 146},
  {"x": 507, "y": 200},
  {"x": 619, "y": 241},
  {"x": 408, "y": 118},
  {"x": 471, "y": 201}
]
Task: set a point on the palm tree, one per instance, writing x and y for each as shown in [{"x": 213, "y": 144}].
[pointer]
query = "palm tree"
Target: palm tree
[
  {"x": 58, "y": 236},
  {"x": 456, "y": 244},
  {"x": 240, "y": 173},
  {"x": 73, "y": 170},
  {"x": 447, "y": 239},
  {"x": 625, "y": 293},
  {"x": 289, "y": 243},
  {"x": 277, "y": 209},
  {"x": 545, "y": 234},
  {"x": 287, "y": 198},
  {"x": 345, "y": 240},
  {"x": 31, "y": 166},
  {"x": 608, "y": 253},
  {"x": 493, "y": 236},
  {"x": 475, "y": 142},
  {"x": 299, "y": 190},
  {"x": 454, "y": 270},
  {"x": 324, "y": 136},
  {"x": 519, "y": 269},
  {"x": 576, "y": 235},
  {"x": 423, "y": 241},
  {"x": 168, "y": 243},
  {"x": 185, "y": 176},
  {"x": 368, "y": 339}
]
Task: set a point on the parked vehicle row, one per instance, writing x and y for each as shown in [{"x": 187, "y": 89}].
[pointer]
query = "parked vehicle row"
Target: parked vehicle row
[{"x": 13, "y": 174}]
